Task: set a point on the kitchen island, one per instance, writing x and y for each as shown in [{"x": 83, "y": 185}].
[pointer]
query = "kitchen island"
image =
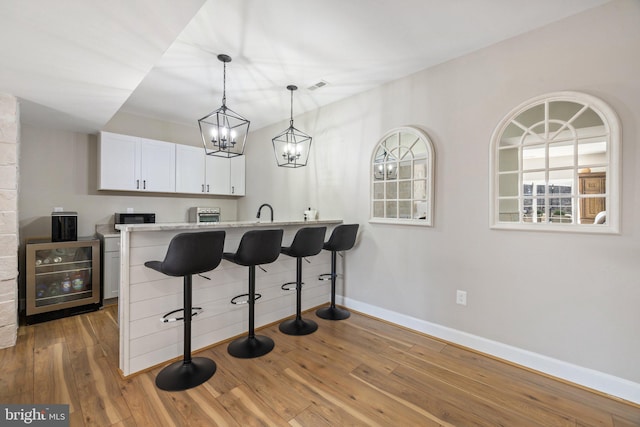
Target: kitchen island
[{"x": 146, "y": 295}]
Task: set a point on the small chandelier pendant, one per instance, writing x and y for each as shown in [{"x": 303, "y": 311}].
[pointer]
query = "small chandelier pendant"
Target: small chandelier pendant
[
  {"x": 224, "y": 132},
  {"x": 292, "y": 146}
]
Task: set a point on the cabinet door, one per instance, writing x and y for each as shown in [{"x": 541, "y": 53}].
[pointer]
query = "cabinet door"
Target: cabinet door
[
  {"x": 111, "y": 274},
  {"x": 190, "y": 169},
  {"x": 118, "y": 162},
  {"x": 237, "y": 184},
  {"x": 157, "y": 165},
  {"x": 217, "y": 175}
]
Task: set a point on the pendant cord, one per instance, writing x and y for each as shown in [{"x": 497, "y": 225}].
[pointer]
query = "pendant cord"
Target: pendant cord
[
  {"x": 224, "y": 83},
  {"x": 291, "y": 121}
]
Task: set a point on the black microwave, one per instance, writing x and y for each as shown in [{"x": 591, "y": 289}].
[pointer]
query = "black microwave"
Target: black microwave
[{"x": 134, "y": 218}]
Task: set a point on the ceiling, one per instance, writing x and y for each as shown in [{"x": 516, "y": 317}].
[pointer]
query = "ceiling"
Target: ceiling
[{"x": 76, "y": 63}]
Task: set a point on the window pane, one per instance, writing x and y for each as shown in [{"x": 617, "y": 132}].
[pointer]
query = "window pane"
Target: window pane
[
  {"x": 532, "y": 178},
  {"x": 404, "y": 208},
  {"x": 378, "y": 171},
  {"x": 590, "y": 208},
  {"x": 420, "y": 189},
  {"x": 533, "y": 157},
  {"x": 378, "y": 190},
  {"x": 392, "y": 209},
  {"x": 564, "y": 110},
  {"x": 508, "y": 209},
  {"x": 420, "y": 210},
  {"x": 378, "y": 209},
  {"x": 508, "y": 185},
  {"x": 404, "y": 188},
  {"x": 561, "y": 209},
  {"x": 391, "y": 190},
  {"x": 405, "y": 170},
  {"x": 561, "y": 154},
  {"x": 391, "y": 170},
  {"x": 511, "y": 135},
  {"x": 531, "y": 116},
  {"x": 592, "y": 152},
  {"x": 508, "y": 160},
  {"x": 420, "y": 169}
]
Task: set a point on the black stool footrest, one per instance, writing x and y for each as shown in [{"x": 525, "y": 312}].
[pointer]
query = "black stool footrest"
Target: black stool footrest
[
  {"x": 326, "y": 276},
  {"x": 286, "y": 286},
  {"x": 233, "y": 300},
  {"x": 194, "y": 313}
]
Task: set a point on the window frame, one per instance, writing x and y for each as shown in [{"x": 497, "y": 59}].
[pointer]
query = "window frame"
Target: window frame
[
  {"x": 429, "y": 177},
  {"x": 613, "y": 167}
]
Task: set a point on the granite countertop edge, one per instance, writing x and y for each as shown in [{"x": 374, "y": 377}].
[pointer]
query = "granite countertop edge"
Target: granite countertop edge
[{"x": 213, "y": 225}]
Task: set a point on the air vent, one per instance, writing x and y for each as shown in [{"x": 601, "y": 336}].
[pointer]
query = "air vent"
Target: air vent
[{"x": 318, "y": 85}]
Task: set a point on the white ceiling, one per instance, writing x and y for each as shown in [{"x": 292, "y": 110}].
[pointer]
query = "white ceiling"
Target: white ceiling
[{"x": 75, "y": 63}]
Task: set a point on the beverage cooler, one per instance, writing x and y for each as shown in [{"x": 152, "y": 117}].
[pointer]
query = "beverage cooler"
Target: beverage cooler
[{"x": 63, "y": 278}]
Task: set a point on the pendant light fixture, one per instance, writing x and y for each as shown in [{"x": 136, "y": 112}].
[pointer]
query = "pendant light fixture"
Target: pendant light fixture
[
  {"x": 292, "y": 146},
  {"x": 224, "y": 132}
]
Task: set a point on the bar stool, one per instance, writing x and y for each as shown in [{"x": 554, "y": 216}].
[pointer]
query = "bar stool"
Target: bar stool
[
  {"x": 342, "y": 238},
  {"x": 307, "y": 242},
  {"x": 256, "y": 247},
  {"x": 188, "y": 254}
]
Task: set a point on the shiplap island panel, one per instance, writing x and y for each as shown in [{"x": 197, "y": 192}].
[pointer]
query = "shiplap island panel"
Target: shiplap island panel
[{"x": 146, "y": 295}]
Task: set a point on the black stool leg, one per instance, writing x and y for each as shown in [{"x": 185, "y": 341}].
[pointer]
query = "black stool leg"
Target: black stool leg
[
  {"x": 189, "y": 372},
  {"x": 252, "y": 345},
  {"x": 332, "y": 312},
  {"x": 298, "y": 326}
]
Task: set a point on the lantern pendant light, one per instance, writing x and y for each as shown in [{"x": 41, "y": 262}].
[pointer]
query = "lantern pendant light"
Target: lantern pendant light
[
  {"x": 224, "y": 132},
  {"x": 292, "y": 146}
]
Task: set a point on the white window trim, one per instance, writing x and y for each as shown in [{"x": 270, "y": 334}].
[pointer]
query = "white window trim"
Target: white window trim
[
  {"x": 613, "y": 183},
  {"x": 428, "y": 221}
]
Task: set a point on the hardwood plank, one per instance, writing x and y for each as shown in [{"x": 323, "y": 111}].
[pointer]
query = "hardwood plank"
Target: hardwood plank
[
  {"x": 248, "y": 410},
  {"x": 101, "y": 400},
  {"x": 360, "y": 371},
  {"x": 17, "y": 366},
  {"x": 53, "y": 375}
]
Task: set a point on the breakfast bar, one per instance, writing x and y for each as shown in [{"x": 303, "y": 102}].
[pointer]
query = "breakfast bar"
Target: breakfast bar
[{"x": 146, "y": 295}]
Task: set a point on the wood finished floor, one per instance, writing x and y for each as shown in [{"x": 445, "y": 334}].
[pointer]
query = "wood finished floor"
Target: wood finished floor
[{"x": 354, "y": 372}]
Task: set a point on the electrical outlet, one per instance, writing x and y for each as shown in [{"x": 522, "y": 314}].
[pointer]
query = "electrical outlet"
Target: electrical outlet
[
  {"x": 129, "y": 210},
  {"x": 58, "y": 209},
  {"x": 461, "y": 297}
]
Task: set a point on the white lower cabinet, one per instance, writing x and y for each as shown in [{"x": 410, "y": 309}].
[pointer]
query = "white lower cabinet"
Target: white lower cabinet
[{"x": 111, "y": 266}]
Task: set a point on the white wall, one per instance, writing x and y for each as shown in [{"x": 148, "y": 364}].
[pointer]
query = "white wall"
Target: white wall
[{"x": 571, "y": 297}]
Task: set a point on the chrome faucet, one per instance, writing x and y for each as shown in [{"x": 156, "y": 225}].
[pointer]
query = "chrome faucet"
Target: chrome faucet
[{"x": 262, "y": 206}]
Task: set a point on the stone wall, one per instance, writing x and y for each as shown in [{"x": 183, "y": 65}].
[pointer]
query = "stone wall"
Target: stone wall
[{"x": 9, "y": 136}]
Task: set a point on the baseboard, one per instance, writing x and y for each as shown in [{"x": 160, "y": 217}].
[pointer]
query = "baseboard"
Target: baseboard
[{"x": 595, "y": 380}]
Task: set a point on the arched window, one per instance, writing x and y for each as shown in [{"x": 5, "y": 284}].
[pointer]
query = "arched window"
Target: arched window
[
  {"x": 402, "y": 178},
  {"x": 555, "y": 165}
]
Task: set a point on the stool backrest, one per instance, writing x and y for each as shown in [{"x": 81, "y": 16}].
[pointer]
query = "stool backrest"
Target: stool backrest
[
  {"x": 258, "y": 247},
  {"x": 308, "y": 241},
  {"x": 342, "y": 238},
  {"x": 193, "y": 253}
]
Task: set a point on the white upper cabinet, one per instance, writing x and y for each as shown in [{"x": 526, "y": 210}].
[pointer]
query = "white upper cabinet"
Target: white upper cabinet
[
  {"x": 197, "y": 173},
  {"x": 117, "y": 162},
  {"x": 217, "y": 174},
  {"x": 237, "y": 184},
  {"x": 135, "y": 164},
  {"x": 190, "y": 169},
  {"x": 157, "y": 165}
]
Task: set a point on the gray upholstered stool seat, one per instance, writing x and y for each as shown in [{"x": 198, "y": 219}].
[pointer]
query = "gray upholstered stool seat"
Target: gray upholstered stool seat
[
  {"x": 342, "y": 238},
  {"x": 256, "y": 247},
  {"x": 308, "y": 241},
  {"x": 188, "y": 254}
]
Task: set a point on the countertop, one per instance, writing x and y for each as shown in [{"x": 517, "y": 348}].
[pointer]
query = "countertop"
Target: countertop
[
  {"x": 106, "y": 231},
  {"x": 223, "y": 224}
]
